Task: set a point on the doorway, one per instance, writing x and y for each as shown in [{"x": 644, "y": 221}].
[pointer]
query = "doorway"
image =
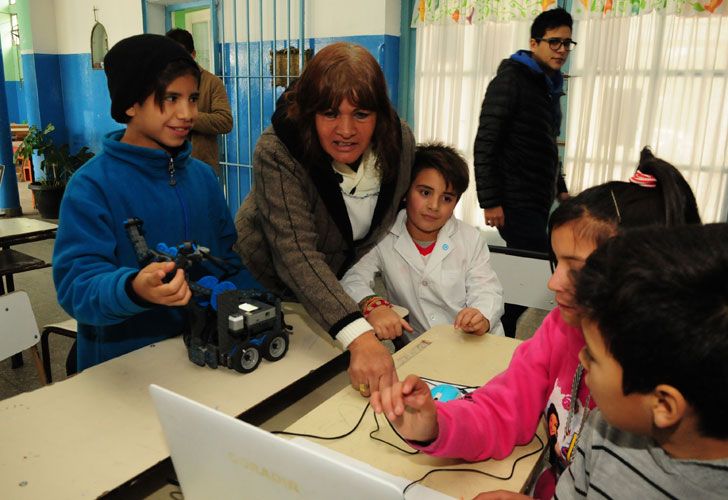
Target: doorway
[{"x": 198, "y": 23}]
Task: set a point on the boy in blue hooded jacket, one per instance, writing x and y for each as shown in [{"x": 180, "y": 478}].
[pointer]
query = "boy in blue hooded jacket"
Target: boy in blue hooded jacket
[{"x": 144, "y": 171}]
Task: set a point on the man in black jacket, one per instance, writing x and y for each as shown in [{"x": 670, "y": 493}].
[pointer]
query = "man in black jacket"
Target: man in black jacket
[{"x": 516, "y": 157}]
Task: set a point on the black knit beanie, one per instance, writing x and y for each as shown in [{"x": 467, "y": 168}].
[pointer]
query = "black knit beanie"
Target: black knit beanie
[{"x": 133, "y": 66}]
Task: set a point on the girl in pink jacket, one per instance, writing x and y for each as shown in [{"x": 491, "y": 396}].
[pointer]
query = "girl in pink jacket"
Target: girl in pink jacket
[{"x": 544, "y": 376}]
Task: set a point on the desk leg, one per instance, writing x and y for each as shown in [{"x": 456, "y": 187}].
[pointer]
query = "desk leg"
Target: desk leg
[
  {"x": 9, "y": 283},
  {"x": 16, "y": 360},
  {"x": 46, "y": 354}
]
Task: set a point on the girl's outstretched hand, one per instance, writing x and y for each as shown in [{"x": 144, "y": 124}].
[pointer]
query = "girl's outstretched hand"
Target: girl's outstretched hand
[{"x": 409, "y": 406}]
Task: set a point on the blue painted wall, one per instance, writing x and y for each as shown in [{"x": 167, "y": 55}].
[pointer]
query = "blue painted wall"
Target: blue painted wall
[
  {"x": 86, "y": 102},
  {"x": 30, "y": 101},
  {"x": 66, "y": 91},
  {"x": 251, "y": 119},
  {"x": 43, "y": 96},
  {"x": 50, "y": 94},
  {"x": 16, "y": 101},
  {"x": 30, "y": 89}
]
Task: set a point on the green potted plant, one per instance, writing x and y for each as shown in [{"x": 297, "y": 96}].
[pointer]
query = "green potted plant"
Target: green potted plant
[{"x": 57, "y": 164}]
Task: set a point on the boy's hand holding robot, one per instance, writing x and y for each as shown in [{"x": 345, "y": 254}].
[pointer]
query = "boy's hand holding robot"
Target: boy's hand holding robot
[{"x": 150, "y": 284}]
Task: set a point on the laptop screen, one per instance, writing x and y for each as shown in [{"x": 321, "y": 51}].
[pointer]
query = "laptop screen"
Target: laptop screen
[{"x": 218, "y": 456}]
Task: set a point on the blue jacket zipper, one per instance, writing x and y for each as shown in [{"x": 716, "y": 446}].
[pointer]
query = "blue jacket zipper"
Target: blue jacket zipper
[{"x": 185, "y": 212}]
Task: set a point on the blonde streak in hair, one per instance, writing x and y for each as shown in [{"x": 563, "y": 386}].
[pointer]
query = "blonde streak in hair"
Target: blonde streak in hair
[{"x": 589, "y": 228}]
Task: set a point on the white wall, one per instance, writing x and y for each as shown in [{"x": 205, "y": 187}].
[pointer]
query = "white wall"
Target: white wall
[
  {"x": 333, "y": 18},
  {"x": 322, "y": 18},
  {"x": 64, "y": 26},
  {"x": 74, "y": 20},
  {"x": 5, "y": 38},
  {"x": 392, "y": 16},
  {"x": 156, "y": 19},
  {"x": 43, "y": 26}
]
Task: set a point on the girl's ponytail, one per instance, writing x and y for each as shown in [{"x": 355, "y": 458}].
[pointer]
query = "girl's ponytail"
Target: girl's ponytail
[
  {"x": 656, "y": 195},
  {"x": 677, "y": 197}
]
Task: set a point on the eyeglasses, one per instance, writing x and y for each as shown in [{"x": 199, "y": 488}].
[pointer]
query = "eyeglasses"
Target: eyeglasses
[{"x": 556, "y": 43}]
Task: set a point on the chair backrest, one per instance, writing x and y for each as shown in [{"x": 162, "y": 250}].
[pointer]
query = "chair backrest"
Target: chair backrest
[
  {"x": 523, "y": 275},
  {"x": 19, "y": 330}
]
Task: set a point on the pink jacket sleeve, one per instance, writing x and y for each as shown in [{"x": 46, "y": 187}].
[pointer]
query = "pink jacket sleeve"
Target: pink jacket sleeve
[{"x": 503, "y": 413}]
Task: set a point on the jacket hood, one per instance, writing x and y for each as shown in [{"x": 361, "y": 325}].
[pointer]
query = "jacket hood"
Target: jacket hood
[{"x": 525, "y": 57}]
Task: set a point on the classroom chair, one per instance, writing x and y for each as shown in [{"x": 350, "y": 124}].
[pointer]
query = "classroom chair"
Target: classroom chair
[
  {"x": 66, "y": 328},
  {"x": 20, "y": 332},
  {"x": 523, "y": 275}
]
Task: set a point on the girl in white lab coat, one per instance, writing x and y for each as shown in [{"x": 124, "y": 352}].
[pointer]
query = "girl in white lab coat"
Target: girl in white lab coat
[{"x": 432, "y": 263}]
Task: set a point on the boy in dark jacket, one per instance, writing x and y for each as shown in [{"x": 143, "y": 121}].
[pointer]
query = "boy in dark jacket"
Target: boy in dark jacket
[
  {"x": 516, "y": 157},
  {"x": 145, "y": 171}
]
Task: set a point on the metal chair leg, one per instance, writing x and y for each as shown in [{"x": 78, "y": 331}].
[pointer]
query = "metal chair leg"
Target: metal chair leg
[{"x": 45, "y": 350}]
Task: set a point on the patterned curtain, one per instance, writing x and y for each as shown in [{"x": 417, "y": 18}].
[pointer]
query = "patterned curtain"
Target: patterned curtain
[
  {"x": 477, "y": 11},
  {"x": 624, "y": 8},
  {"x": 480, "y": 11}
]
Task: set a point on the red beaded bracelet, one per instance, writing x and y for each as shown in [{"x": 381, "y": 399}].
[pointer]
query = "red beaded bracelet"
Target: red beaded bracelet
[{"x": 373, "y": 303}]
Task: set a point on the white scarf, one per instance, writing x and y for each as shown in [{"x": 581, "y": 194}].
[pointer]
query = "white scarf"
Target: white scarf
[{"x": 360, "y": 190}]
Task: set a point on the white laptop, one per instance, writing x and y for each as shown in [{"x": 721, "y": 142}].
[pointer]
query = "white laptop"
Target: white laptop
[{"x": 218, "y": 456}]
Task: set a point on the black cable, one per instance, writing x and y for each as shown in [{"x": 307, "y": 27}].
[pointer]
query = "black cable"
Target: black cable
[
  {"x": 414, "y": 452},
  {"x": 375, "y": 438},
  {"x": 356, "y": 426},
  {"x": 457, "y": 386},
  {"x": 328, "y": 438},
  {"x": 476, "y": 471}
]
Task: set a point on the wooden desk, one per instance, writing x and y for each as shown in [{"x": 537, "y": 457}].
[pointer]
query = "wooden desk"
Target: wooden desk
[
  {"x": 15, "y": 231},
  {"x": 86, "y": 435},
  {"x": 440, "y": 354}
]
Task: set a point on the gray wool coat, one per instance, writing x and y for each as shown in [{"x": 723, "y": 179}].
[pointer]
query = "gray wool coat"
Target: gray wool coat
[{"x": 294, "y": 233}]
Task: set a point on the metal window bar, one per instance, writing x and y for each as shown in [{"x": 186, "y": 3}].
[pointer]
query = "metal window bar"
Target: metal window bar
[
  {"x": 249, "y": 122},
  {"x": 220, "y": 46},
  {"x": 240, "y": 78}
]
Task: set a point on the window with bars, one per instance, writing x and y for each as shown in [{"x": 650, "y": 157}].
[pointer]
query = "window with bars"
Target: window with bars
[{"x": 14, "y": 30}]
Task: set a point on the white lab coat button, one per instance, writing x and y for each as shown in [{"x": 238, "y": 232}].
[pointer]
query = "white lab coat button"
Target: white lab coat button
[{"x": 425, "y": 283}]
